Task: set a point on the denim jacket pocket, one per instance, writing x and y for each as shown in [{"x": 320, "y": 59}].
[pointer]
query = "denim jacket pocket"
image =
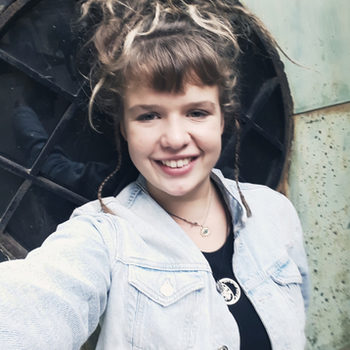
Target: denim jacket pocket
[
  {"x": 161, "y": 301},
  {"x": 287, "y": 279},
  {"x": 285, "y": 271},
  {"x": 289, "y": 318},
  {"x": 164, "y": 287}
]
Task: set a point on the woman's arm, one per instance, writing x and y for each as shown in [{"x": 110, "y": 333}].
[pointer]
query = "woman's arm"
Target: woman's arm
[
  {"x": 54, "y": 298},
  {"x": 297, "y": 252}
]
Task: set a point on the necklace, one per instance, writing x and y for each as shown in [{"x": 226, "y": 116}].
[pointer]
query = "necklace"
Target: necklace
[
  {"x": 219, "y": 262},
  {"x": 204, "y": 230}
]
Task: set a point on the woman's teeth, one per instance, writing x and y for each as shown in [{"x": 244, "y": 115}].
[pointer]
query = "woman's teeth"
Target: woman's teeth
[{"x": 176, "y": 163}]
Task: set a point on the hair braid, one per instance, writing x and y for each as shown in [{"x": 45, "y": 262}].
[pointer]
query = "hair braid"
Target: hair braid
[
  {"x": 104, "y": 207},
  {"x": 236, "y": 166}
]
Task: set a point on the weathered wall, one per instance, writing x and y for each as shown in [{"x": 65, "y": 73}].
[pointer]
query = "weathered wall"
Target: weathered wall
[
  {"x": 319, "y": 181},
  {"x": 316, "y": 33}
]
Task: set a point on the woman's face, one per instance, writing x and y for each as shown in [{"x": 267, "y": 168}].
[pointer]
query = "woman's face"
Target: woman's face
[{"x": 174, "y": 139}]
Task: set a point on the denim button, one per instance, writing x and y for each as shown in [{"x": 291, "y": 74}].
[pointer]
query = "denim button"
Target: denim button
[
  {"x": 167, "y": 289},
  {"x": 224, "y": 347}
]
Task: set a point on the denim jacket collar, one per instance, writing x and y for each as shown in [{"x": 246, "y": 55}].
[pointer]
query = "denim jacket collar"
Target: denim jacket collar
[
  {"x": 230, "y": 195},
  {"x": 156, "y": 229}
]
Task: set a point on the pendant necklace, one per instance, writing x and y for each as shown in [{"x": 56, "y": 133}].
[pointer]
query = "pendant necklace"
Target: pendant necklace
[
  {"x": 227, "y": 286},
  {"x": 229, "y": 289},
  {"x": 204, "y": 230}
]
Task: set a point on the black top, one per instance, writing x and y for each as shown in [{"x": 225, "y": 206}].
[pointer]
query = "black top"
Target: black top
[{"x": 252, "y": 331}]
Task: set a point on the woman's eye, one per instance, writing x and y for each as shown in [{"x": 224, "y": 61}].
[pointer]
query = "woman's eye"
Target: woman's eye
[
  {"x": 147, "y": 116},
  {"x": 198, "y": 113}
]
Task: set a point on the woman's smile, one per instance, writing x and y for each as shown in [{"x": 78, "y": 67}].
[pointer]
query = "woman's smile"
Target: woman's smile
[
  {"x": 174, "y": 163},
  {"x": 174, "y": 139},
  {"x": 177, "y": 167}
]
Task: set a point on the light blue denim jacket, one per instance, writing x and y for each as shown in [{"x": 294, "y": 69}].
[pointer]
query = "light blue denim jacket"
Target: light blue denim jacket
[{"x": 149, "y": 286}]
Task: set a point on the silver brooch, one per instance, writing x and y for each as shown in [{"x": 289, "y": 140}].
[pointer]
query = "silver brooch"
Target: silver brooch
[{"x": 229, "y": 289}]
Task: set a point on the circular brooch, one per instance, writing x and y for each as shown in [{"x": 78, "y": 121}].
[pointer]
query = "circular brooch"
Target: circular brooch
[{"x": 229, "y": 289}]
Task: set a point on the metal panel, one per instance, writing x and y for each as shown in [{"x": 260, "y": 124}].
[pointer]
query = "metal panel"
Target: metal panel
[
  {"x": 48, "y": 145},
  {"x": 315, "y": 33},
  {"x": 319, "y": 187}
]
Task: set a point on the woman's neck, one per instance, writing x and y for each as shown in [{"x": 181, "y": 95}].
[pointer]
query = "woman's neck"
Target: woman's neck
[
  {"x": 204, "y": 207},
  {"x": 192, "y": 205}
]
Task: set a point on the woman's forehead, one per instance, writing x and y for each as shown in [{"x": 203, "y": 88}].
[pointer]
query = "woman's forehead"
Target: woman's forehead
[
  {"x": 147, "y": 78},
  {"x": 145, "y": 95}
]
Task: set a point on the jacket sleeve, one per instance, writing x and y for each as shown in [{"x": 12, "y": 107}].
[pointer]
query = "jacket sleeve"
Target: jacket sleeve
[
  {"x": 295, "y": 246},
  {"x": 289, "y": 233},
  {"x": 53, "y": 299}
]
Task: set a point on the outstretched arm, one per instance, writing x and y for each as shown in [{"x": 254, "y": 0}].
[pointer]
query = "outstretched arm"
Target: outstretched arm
[{"x": 54, "y": 298}]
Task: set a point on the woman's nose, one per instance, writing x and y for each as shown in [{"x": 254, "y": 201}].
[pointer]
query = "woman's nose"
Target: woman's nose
[{"x": 175, "y": 134}]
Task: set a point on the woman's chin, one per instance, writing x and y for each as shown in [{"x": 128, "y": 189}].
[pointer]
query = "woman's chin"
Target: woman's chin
[{"x": 177, "y": 192}]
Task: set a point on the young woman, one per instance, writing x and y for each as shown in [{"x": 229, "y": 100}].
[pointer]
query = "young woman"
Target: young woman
[{"x": 182, "y": 258}]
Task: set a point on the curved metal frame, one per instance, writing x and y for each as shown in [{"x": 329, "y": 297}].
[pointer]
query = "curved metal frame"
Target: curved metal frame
[{"x": 30, "y": 176}]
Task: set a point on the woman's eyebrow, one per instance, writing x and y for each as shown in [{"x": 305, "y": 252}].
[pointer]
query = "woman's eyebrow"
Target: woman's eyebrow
[
  {"x": 200, "y": 104},
  {"x": 153, "y": 107},
  {"x": 144, "y": 107}
]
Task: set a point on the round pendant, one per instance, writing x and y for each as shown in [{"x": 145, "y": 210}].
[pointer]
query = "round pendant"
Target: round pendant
[
  {"x": 229, "y": 289},
  {"x": 205, "y": 231}
]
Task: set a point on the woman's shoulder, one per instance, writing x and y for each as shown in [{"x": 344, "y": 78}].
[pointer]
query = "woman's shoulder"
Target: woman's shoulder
[
  {"x": 252, "y": 188},
  {"x": 266, "y": 195},
  {"x": 269, "y": 202},
  {"x": 255, "y": 192},
  {"x": 275, "y": 212},
  {"x": 92, "y": 208},
  {"x": 113, "y": 203},
  {"x": 265, "y": 203}
]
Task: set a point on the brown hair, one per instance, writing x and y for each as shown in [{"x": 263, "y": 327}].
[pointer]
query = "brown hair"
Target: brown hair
[{"x": 166, "y": 44}]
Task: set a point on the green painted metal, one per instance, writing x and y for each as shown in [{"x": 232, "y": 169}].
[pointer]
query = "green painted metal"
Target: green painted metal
[
  {"x": 319, "y": 181},
  {"x": 316, "y": 34}
]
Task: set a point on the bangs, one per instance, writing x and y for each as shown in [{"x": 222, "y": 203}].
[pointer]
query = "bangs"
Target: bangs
[{"x": 169, "y": 63}]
